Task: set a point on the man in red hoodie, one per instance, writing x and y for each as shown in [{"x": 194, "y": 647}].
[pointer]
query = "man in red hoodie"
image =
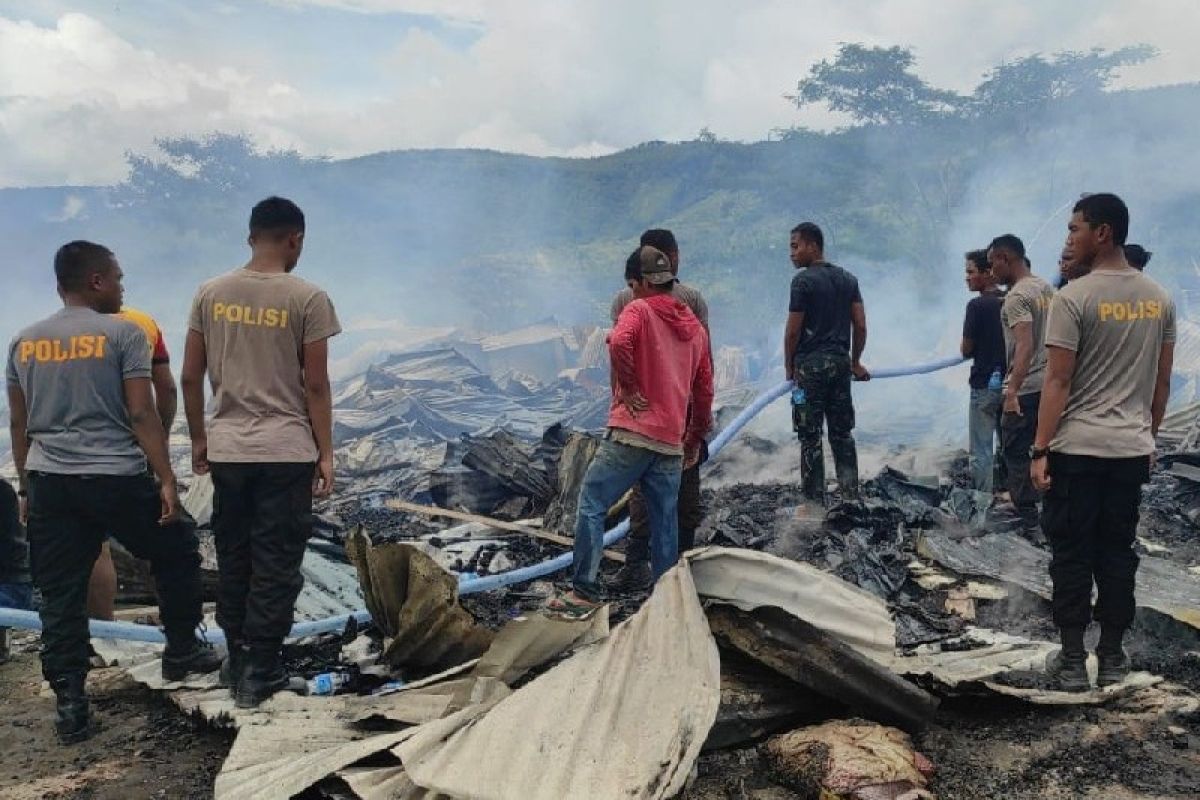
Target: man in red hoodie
[{"x": 660, "y": 363}]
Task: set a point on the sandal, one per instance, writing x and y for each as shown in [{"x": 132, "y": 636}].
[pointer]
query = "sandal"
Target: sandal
[{"x": 572, "y": 605}]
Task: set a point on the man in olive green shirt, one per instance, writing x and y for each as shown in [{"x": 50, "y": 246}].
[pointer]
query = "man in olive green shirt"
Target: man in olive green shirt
[{"x": 1110, "y": 342}]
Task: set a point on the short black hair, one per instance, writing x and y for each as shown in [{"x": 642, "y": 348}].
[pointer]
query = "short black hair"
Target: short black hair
[
  {"x": 1009, "y": 242},
  {"x": 633, "y": 266},
  {"x": 979, "y": 259},
  {"x": 1105, "y": 209},
  {"x": 660, "y": 239},
  {"x": 278, "y": 216},
  {"x": 810, "y": 232},
  {"x": 76, "y": 261},
  {"x": 1137, "y": 256}
]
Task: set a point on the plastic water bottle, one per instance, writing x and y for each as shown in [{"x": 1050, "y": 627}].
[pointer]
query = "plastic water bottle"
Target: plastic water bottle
[
  {"x": 798, "y": 396},
  {"x": 996, "y": 382},
  {"x": 328, "y": 683}
]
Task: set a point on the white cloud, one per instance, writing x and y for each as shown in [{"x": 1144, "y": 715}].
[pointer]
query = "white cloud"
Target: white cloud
[{"x": 539, "y": 76}]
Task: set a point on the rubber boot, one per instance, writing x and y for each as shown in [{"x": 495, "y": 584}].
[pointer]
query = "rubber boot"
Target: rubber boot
[
  {"x": 73, "y": 719},
  {"x": 1111, "y": 657},
  {"x": 262, "y": 676},
  {"x": 187, "y": 655}
]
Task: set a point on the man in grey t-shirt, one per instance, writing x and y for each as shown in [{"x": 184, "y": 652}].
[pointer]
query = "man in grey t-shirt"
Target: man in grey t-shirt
[
  {"x": 636, "y": 574},
  {"x": 1023, "y": 317},
  {"x": 83, "y": 426},
  {"x": 1110, "y": 342}
]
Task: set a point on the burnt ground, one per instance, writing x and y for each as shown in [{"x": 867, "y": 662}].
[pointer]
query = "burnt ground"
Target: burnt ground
[
  {"x": 146, "y": 749},
  {"x": 982, "y": 747}
]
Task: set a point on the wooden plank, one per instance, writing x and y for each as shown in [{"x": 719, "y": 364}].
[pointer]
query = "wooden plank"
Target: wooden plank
[{"x": 499, "y": 524}]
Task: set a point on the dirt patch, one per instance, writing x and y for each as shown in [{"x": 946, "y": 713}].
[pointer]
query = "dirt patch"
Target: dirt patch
[{"x": 147, "y": 748}]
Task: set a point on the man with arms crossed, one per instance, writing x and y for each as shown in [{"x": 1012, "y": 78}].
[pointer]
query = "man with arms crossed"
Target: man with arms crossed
[
  {"x": 261, "y": 334},
  {"x": 1111, "y": 341},
  {"x": 83, "y": 427}
]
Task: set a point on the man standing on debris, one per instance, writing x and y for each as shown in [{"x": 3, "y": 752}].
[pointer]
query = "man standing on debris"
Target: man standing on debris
[
  {"x": 983, "y": 342},
  {"x": 261, "y": 334},
  {"x": 636, "y": 574},
  {"x": 1023, "y": 316},
  {"x": 15, "y": 591},
  {"x": 1111, "y": 342},
  {"x": 823, "y": 345},
  {"x": 83, "y": 428},
  {"x": 102, "y": 586},
  {"x": 661, "y": 366}
]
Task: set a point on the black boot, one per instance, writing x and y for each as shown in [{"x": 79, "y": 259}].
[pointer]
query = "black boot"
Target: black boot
[
  {"x": 634, "y": 577},
  {"x": 234, "y": 665},
  {"x": 1068, "y": 666},
  {"x": 262, "y": 676},
  {"x": 1113, "y": 662},
  {"x": 187, "y": 655},
  {"x": 73, "y": 720}
]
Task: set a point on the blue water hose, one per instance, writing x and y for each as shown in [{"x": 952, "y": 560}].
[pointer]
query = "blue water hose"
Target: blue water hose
[{"x": 15, "y": 618}]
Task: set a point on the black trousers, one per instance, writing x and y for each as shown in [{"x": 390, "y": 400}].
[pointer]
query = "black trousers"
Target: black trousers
[
  {"x": 69, "y": 516},
  {"x": 1017, "y": 432},
  {"x": 690, "y": 516},
  {"x": 1090, "y": 517},
  {"x": 262, "y": 519}
]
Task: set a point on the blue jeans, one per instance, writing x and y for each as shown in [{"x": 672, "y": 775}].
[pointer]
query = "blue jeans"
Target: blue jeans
[
  {"x": 16, "y": 595},
  {"x": 983, "y": 425},
  {"x": 614, "y": 470}
]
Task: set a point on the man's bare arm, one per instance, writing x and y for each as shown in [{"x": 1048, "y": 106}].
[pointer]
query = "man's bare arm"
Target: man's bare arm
[
  {"x": 147, "y": 428},
  {"x": 166, "y": 397},
  {"x": 966, "y": 347},
  {"x": 858, "y": 340},
  {"x": 1056, "y": 389},
  {"x": 1022, "y": 359},
  {"x": 791, "y": 341},
  {"x": 858, "y": 322},
  {"x": 319, "y": 398},
  {"x": 1162, "y": 386},
  {"x": 1060, "y": 368},
  {"x": 195, "y": 365},
  {"x": 18, "y": 422}
]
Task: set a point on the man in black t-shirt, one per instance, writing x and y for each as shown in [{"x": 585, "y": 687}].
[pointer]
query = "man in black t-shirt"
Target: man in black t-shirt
[
  {"x": 983, "y": 342},
  {"x": 823, "y": 345}
]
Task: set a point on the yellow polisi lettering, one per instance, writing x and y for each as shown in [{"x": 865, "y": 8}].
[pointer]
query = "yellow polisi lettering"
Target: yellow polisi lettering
[
  {"x": 254, "y": 316},
  {"x": 1129, "y": 310},
  {"x": 59, "y": 351}
]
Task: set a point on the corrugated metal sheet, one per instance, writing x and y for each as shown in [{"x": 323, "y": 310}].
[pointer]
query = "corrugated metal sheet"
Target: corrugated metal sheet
[
  {"x": 747, "y": 579},
  {"x": 622, "y": 719}
]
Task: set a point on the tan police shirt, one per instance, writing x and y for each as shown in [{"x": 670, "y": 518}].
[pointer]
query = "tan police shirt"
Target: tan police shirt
[
  {"x": 1027, "y": 301},
  {"x": 255, "y": 326},
  {"x": 1116, "y": 323}
]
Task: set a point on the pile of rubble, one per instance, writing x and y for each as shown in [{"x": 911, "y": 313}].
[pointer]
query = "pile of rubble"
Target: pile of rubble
[{"x": 796, "y": 655}]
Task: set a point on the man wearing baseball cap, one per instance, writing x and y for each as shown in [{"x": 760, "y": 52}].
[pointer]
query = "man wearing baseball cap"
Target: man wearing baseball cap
[{"x": 660, "y": 363}]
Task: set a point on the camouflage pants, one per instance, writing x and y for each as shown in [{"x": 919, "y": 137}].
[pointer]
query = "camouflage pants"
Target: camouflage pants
[{"x": 825, "y": 379}]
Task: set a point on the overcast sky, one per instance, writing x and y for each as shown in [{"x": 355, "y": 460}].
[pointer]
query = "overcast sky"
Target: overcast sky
[{"x": 83, "y": 82}]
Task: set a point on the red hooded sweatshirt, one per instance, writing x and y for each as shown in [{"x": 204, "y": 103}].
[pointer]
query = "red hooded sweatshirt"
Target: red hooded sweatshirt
[{"x": 660, "y": 349}]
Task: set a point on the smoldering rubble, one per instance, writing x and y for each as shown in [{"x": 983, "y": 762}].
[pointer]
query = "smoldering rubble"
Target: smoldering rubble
[{"x": 870, "y": 651}]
